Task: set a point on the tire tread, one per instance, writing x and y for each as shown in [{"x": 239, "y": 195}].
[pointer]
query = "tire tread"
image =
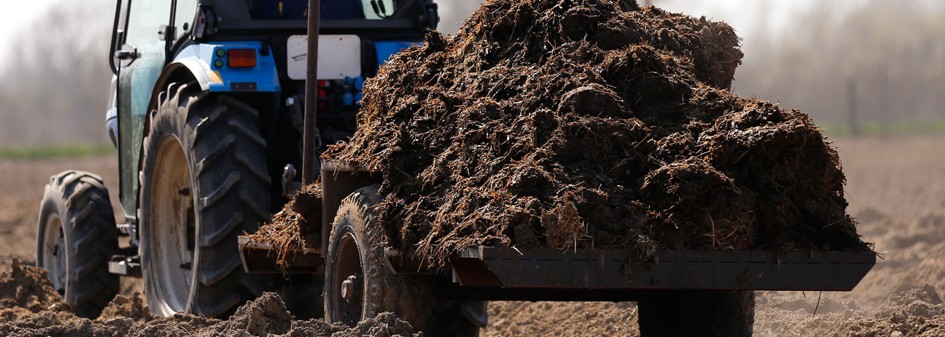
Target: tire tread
[
  {"x": 81, "y": 199},
  {"x": 226, "y": 153}
]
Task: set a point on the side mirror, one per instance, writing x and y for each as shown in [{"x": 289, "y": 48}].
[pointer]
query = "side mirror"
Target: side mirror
[
  {"x": 125, "y": 54},
  {"x": 167, "y": 33}
]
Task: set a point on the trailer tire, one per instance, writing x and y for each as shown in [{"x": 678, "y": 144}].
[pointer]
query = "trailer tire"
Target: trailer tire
[
  {"x": 698, "y": 313},
  {"x": 303, "y": 296},
  {"x": 360, "y": 284},
  {"x": 76, "y": 238},
  {"x": 460, "y": 318},
  {"x": 204, "y": 182}
]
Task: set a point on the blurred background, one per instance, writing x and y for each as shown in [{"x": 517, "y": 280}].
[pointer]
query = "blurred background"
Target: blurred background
[{"x": 859, "y": 67}]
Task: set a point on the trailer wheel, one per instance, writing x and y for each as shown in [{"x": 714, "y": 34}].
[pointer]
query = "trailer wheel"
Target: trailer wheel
[
  {"x": 698, "y": 313},
  {"x": 76, "y": 237},
  {"x": 203, "y": 182},
  {"x": 460, "y": 318},
  {"x": 359, "y": 285}
]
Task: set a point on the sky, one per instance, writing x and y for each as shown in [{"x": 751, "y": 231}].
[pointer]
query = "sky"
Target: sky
[
  {"x": 16, "y": 16},
  {"x": 763, "y": 18},
  {"x": 750, "y": 18}
]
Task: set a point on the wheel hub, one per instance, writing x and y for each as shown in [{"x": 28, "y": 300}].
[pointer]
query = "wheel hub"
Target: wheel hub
[
  {"x": 54, "y": 254},
  {"x": 347, "y": 288},
  {"x": 172, "y": 224},
  {"x": 347, "y": 298}
]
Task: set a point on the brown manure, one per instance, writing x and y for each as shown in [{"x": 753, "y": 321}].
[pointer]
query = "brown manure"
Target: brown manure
[
  {"x": 295, "y": 226},
  {"x": 597, "y": 123}
]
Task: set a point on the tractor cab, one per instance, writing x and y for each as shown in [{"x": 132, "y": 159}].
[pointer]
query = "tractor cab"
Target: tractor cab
[{"x": 255, "y": 49}]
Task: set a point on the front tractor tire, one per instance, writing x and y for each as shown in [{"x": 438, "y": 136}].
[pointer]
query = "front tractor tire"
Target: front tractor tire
[
  {"x": 76, "y": 238},
  {"x": 360, "y": 285},
  {"x": 204, "y": 181}
]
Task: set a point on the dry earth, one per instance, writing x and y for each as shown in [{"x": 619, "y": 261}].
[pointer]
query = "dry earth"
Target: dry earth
[
  {"x": 21, "y": 190},
  {"x": 897, "y": 192}
]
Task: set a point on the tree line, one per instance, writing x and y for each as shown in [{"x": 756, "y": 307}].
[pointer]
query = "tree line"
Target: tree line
[{"x": 885, "y": 58}]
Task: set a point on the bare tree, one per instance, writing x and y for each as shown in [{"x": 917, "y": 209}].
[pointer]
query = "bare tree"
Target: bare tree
[
  {"x": 57, "y": 78},
  {"x": 455, "y": 12},
  {"x": 894, "y": 51}
]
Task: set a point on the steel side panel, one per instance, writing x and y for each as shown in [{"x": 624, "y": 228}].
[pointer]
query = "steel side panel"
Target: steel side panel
[
  {"x": 335, "y": 59},
  {"x": 616, "y": 270}
]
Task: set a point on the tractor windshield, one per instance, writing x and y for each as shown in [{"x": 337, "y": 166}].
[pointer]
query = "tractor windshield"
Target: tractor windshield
[
  {"x": 330, "y": 9},
  {"x": 377, "y": 20}
]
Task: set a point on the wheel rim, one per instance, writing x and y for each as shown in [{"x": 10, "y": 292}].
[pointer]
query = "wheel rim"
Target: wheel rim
[
  {"x": 347, "y": 282},
  {"x": 54, "y": 253},
  {"x": 172, "y": 222}
]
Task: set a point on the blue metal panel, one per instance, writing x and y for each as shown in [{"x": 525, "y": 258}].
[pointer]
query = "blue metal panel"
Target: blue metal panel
[
  {"x": 386, "y": 49},
  {"x": 215, "y": 76}
]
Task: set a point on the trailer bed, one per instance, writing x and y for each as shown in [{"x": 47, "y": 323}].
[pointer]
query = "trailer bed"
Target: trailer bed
[
  {"x": 617, "y": 269},
  {"x": 493, "y": 273}
]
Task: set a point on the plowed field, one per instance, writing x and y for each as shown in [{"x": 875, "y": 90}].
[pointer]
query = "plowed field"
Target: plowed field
[{"x": 896, "y": 188}]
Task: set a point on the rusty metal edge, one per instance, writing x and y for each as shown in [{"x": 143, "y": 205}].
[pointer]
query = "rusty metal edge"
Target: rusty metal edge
[{"x": 260, "y": 258}]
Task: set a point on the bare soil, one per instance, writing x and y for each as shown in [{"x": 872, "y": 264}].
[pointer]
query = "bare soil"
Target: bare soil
[
  {"x": 21, "y": 190},
  {"x": 896, "y": 189}
]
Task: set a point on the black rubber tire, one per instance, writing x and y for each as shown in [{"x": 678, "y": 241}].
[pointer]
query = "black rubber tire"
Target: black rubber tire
[
  {"x": 226, "y": 159},
  {"x": 459, "y": 318},
  {"x": 302, "y": 295},
  {"x": 698, "y": 313},
  {"x": 77, "y": 203},
  {"x": 411, "y": 298}
]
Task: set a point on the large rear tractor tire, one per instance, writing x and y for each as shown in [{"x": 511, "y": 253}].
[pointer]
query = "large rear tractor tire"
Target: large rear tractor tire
[
  {"x": 360, "y": 285},
  {"x": 76, "y": 238},
  {"x": 698, "y": 313},
  {"x": 203, "y": 183}
]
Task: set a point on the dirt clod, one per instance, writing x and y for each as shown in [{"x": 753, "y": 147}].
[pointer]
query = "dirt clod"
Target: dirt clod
[
  {"x": 28, "y": 287},
  {"x": 261, "y": 317},
  {"x": 129, "y": 307},
  {"x": 382, "y": 325}
]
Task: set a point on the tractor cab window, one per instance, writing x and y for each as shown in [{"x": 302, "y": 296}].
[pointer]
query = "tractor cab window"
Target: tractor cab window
[
  {"x": 145, "y": 20},
  {"x": 184, "y": 18},
  {"x": 330, "y": 9}
]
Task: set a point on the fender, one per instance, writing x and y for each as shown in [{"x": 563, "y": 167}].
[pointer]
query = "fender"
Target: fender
[{"x": 202, "y": 63}]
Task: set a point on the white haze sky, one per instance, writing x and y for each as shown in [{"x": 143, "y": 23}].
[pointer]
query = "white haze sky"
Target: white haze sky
[
  {"x": 750, "y": 18},
  {"x": 17, "y": 15}
]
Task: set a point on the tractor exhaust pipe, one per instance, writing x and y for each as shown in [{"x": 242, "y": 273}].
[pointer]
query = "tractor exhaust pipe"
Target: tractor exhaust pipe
[{"x": 311, "y": 95}]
